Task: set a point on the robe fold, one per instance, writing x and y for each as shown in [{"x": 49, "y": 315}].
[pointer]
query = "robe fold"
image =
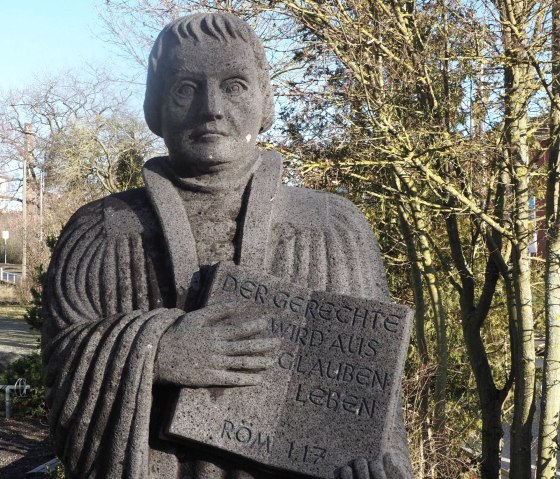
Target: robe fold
[{"x": 125, "y": 268}]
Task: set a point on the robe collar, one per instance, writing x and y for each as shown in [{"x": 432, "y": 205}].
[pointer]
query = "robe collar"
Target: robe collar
[{"x": 179, "y": 239}]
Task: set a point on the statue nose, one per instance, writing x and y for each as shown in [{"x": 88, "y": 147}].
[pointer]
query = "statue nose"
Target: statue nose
[{"x": 212, "y": 104}]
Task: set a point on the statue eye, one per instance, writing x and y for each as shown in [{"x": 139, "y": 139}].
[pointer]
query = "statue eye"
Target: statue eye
[
  {"x": 185, "y": 89},
  {"x": 234, "y": 87}
]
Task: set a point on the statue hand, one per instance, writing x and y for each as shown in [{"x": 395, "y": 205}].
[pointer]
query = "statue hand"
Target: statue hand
[
  {"x": 203, "y": 348},
  {"x": 389, "y": 466}
]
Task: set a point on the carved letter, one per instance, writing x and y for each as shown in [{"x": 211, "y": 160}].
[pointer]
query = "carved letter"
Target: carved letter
[
  {"x": 348, "y": 374},
  {"x": 280, "y": 303},
  {"x": 299, "y": 365},
  {"x": 317, "y": 368},
  {"x": 298, "y": 398},
  {"x": 336, "y": 373},
  {"x": 230, "y": 284},
  {"x": 228, "y": 427},
  {"x": 337, "y": 344},
  {"x": 311, "y": 309},
  {"x": 363, "y": 376},
  {"x": 364, "y": 405},
  {"x": 332, "y": 400},
  {"x": 357, "y": 348},
  {"x": 392, "y": 326},
  {"x": 379, "y": 316},
  {"x": 360, "y": 317},
  {"x": 317, "y": 396},
  {"x": 246, "y": 289},
  {"x": 326, "y": 310},
  {"x": 259, "y": 442},
  {"x": 296, "y": 303},
  {"x": 280, "y": 327},
  {"x": 339, "y": 316},
  {"x": 243, "y": 434},
  {"x": 370, "y": 346},
  {"x": 302, "y": 335},
  {"x": 289, "y": 363},
  {"x": 377, "y": 379},
  {"x": 261, "y": 293},
  {"x": 316, "y": 338},
  {"x": 350, "y": 403}
]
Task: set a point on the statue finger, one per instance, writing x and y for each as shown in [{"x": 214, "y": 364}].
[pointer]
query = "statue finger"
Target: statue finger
[
  {"x": 361, "y": 468},
  {"x": 223, "y": 378},
  {"x": 344, "y": 472},
  {"x": 239, "y": 378},
  {"x": 395, "y": 466},
  {"x": 246, "y": 363},
  {"x": 244, "y": 330},
  {"x": 252, "y": 346},
  {"x": 209, "y": 315},
  {"x": 376, "y": 470}
]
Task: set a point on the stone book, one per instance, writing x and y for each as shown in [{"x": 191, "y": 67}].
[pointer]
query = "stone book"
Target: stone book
[{"x": 330, "y": 396}]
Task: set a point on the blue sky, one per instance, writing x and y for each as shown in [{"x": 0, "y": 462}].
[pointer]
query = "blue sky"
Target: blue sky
[{"x": 42, "y": 36}]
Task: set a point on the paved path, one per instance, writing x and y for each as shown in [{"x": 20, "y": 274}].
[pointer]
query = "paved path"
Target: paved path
[{"x": 16, "y": 339}]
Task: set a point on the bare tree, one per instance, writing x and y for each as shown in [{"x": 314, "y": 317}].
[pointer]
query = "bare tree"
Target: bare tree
[
  {"x": 550, "y": 405},
  {"x": 84, "y": 144}
]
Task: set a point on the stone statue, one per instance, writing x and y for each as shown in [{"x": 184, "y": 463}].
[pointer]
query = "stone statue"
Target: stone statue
[{"x": 124, "y": 323}]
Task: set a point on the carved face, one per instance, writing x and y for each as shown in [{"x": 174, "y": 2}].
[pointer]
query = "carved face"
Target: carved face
[{"x": 212, "y": 107}]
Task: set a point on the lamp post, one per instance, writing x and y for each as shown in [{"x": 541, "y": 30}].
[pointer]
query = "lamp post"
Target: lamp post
[
  {"x": 5, "y": 236},
  {"x": 27, "y": 157}
]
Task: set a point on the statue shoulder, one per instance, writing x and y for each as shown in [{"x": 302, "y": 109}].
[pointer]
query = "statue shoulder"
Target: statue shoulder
[
  {"x": 318, "y": 208},
  {"x": 127, "y": 212},
  {"x": 334, "y": 236}
]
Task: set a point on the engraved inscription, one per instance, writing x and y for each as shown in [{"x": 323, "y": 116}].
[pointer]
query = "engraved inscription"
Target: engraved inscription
[
  {"x": 299, "y": 452},
  {"x": 339, "y": 371},
  {"x": 309, "y": 308},
  {"x": 297, "y": 334},
  {"x": 351, "y": 344},
  {"x": 245, "y": 435},
  {"x": 336, "y": 401},
  {"x": 334, "y": 378}
]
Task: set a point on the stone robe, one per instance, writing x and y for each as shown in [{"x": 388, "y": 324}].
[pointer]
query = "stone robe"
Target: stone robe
[{"x": 125, "y": 268}]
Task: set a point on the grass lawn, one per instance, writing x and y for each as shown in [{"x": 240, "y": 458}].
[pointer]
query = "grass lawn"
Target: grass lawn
[
  {"x": 9, "y": 293},
  {"x": 12, "y": 311}
]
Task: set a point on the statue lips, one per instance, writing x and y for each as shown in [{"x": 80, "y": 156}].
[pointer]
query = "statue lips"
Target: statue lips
[{"x": 207, "y": 134}]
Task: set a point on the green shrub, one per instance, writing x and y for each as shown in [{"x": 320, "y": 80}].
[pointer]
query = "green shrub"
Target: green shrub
[
  {"x": 57, "y": 473},
  {"x": 34, "y": 312},
  {"x": 28, "y": 367}
]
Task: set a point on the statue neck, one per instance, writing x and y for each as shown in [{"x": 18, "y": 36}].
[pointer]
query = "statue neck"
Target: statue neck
[{"x": 219, "y": 182}]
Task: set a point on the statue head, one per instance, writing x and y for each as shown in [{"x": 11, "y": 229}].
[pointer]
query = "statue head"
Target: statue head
[{"x": 208, "y": 91}]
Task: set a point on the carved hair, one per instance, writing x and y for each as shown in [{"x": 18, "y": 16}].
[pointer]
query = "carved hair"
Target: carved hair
[{"x": 197, "y": 28}]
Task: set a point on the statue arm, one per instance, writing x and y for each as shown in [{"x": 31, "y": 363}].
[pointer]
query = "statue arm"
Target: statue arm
[
  {"x": 107, "y": 341},
  {"x": 101, "y": 329}
]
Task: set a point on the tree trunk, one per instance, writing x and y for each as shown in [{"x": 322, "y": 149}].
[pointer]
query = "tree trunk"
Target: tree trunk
[
  {"x": 426, "y": 453},
  {"x": 436, "y": 301},
  {"x": 550, "y": 402},
  {"x": 490, "y": 401},
  {"x": 517, "y": 92},
  {"x": 472, "y": 319},
  {"x": 524, "y": 394}
]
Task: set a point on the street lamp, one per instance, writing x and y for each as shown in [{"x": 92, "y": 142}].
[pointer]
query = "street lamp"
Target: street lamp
[{"x": 5, "y": 236}]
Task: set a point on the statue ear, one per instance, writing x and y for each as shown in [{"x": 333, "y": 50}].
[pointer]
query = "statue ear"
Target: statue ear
[
  {"x": 152, "y": 114},
  {"x": 268, "y": 111},
  {"x": 152, "y": 101}
]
